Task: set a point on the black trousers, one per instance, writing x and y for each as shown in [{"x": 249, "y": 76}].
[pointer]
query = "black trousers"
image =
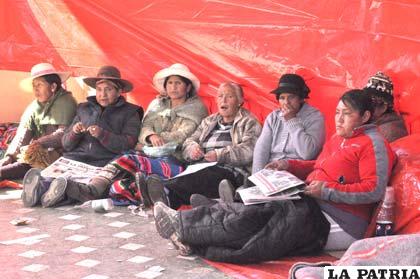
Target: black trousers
[
  {"x": 14, "y": 170},
  {"x": 238, "y": 233},
  {"x": 204, "y": 182}
]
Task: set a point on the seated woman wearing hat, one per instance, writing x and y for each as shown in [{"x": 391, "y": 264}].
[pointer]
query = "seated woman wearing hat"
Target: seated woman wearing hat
[
  {"x": 105, "y": 126},
  {"x": 42, "y": 124},
  {"x": 294, "y": 131},
  {"x": 390, "y": 124},
  {"x": 227, "y": 137},
  {"x": 169, "y": 120},
  {"x": 344, "y": 184}
]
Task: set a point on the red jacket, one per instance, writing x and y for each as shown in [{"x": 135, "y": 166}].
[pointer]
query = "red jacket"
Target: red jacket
[{"x": 356, "y": 170}]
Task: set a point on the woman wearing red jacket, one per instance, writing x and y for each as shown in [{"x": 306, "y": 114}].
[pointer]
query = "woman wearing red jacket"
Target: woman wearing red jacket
[{"x": 345, "y": 183}]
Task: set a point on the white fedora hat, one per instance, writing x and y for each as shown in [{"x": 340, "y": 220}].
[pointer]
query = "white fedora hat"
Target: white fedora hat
[
  {"x": 39, "y": 70},
  {"x": 174, "y": 70}
]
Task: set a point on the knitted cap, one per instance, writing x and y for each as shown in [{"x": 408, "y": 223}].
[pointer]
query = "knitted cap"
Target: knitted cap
[{"x": 381, "y": 82}]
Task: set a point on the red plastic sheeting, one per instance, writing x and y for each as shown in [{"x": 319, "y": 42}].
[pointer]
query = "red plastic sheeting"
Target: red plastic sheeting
[
  {"x": 335, "y": 45},
  {"x": 406, "y": 182},
  {"x": 268, "y": 270}
]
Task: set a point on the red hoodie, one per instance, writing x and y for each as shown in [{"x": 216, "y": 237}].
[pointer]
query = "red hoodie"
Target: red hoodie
[{"x": 356, "y": 170}]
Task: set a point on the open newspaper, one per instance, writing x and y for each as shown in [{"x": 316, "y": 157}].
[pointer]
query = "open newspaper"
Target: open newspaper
[
  {"x": 67, "y": 168},
  {"x": 271, "y": 185}
]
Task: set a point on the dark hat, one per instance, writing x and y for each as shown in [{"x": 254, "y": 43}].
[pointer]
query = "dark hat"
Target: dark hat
[
  {"x": 381, "y": 82},
  {"x": 292, "y": 83},
  {"x": 110, "y": 73}
]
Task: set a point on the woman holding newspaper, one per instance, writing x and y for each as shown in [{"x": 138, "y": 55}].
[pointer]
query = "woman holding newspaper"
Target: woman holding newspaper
[
  {"x": 343, "y": 186},
  {"x": 295, "y": 130}
]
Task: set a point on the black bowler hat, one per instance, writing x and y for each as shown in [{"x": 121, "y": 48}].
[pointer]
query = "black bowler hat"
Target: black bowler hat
[{"x": 292, "y": 83}]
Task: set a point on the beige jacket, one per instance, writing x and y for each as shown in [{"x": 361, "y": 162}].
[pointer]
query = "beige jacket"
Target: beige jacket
[
  {"x": 172, "y": 125},
  {"x": 245, "y": 132}
]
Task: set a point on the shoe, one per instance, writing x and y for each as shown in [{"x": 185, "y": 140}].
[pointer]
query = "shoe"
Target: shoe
[
  {"x": 56, "y": 192},
  {"x": 80, "y": 192},
  {"x": 33, "y": 188},
  {"x": 226, "y": 191},
  {"x": 168, "y": 225},
  {"x": 156, "y": 189},
  {"x": 197, "y": 200},
  {"x": 141, "y": 184}
]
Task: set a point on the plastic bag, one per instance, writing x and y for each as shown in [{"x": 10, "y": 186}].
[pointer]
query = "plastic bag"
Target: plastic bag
[{"x": 160, "y": 151}]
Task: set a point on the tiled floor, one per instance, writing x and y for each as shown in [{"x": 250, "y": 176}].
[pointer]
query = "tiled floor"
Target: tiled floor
[{"x": 79, "y": 243}]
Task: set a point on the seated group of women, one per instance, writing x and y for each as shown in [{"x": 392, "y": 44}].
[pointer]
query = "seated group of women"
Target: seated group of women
[{"x": 140, "y": 156}]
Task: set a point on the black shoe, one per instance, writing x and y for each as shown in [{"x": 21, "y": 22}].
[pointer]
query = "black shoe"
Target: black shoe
[
  {"x": 56, "y": 192},
  {"x": 226, "y": 191},
  {"x": 33, "y": 188},
  {"x": 156, "y": 189},
  {"x": 168, "y": 225},
  {"x": 142, "y": 187},
  {"x": 80, "y": 192},
  {"x": 197, "y": 200}
]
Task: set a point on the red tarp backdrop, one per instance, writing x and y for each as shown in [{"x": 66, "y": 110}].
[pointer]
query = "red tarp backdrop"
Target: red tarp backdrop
[{"x": 335, "y": 45}]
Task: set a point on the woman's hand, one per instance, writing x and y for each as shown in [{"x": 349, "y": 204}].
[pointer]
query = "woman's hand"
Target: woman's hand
[
  {"x": 314, "y": 189},
  {"x": 139, "y": 147},
  {"x": 277, "y": 165},
  {"x": 95, "y": 130},
  {"x": 156, "y": 140},
  {"x": 78, "y": 128},
  {"x": 289, "y": 112},
  {"x": 196, "y": 153},
  {"x": 211, "y": 156}
]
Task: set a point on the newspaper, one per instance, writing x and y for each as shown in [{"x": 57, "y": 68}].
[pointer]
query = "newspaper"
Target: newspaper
[
  {"x": 253, "y": 195},
  {"x": 195, "y": 168},
  {"x": 75, "y": 170},
  {"x": 273, "y": 181}
]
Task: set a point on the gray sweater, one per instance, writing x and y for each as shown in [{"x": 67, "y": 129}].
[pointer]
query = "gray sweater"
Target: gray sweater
[{"x": 301, "y": 137}]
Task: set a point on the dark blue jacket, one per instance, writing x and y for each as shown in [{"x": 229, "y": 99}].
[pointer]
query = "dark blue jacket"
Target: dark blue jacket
[{"x": 121, "y": 123}]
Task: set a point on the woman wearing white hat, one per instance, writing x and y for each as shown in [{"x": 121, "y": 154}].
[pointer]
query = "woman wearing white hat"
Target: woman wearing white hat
[
  {"x": 42, "y": 123},
  {"x": 170, "y": 119}
]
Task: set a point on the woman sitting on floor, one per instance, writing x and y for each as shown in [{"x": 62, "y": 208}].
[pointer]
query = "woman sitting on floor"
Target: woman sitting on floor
[
  {"x": 294, "y": 131},
  {"x": 390, "y": 124},
  {"x": 104, "y": 127},
  {"x": 169, "y": 120},
  {"x": 227, "y": 137},
  {"x": 38, "y": 138},
  {"x": 343, "y": 187}
]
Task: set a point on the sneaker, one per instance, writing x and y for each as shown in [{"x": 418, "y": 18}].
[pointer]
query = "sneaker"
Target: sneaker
[
  {"x": 168, "y": 225},
  {"x": 226, "y": 191},
  {"x": 142, "y": 187},
  {"x": 156, "y": 189},
  {"x": 56, "y": 192},
  {"x": 33, "y": 188},
  {"x": 197, "y": 200},
  {"x": 166, "y": 219},
  {"x": 80, "y": 192}
]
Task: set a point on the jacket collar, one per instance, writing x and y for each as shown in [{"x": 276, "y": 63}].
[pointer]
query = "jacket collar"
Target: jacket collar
[
  {"x": 120, "y": 101},
  {"x": 239, "y": 115},
  {"x": 362, "y": 129}
]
